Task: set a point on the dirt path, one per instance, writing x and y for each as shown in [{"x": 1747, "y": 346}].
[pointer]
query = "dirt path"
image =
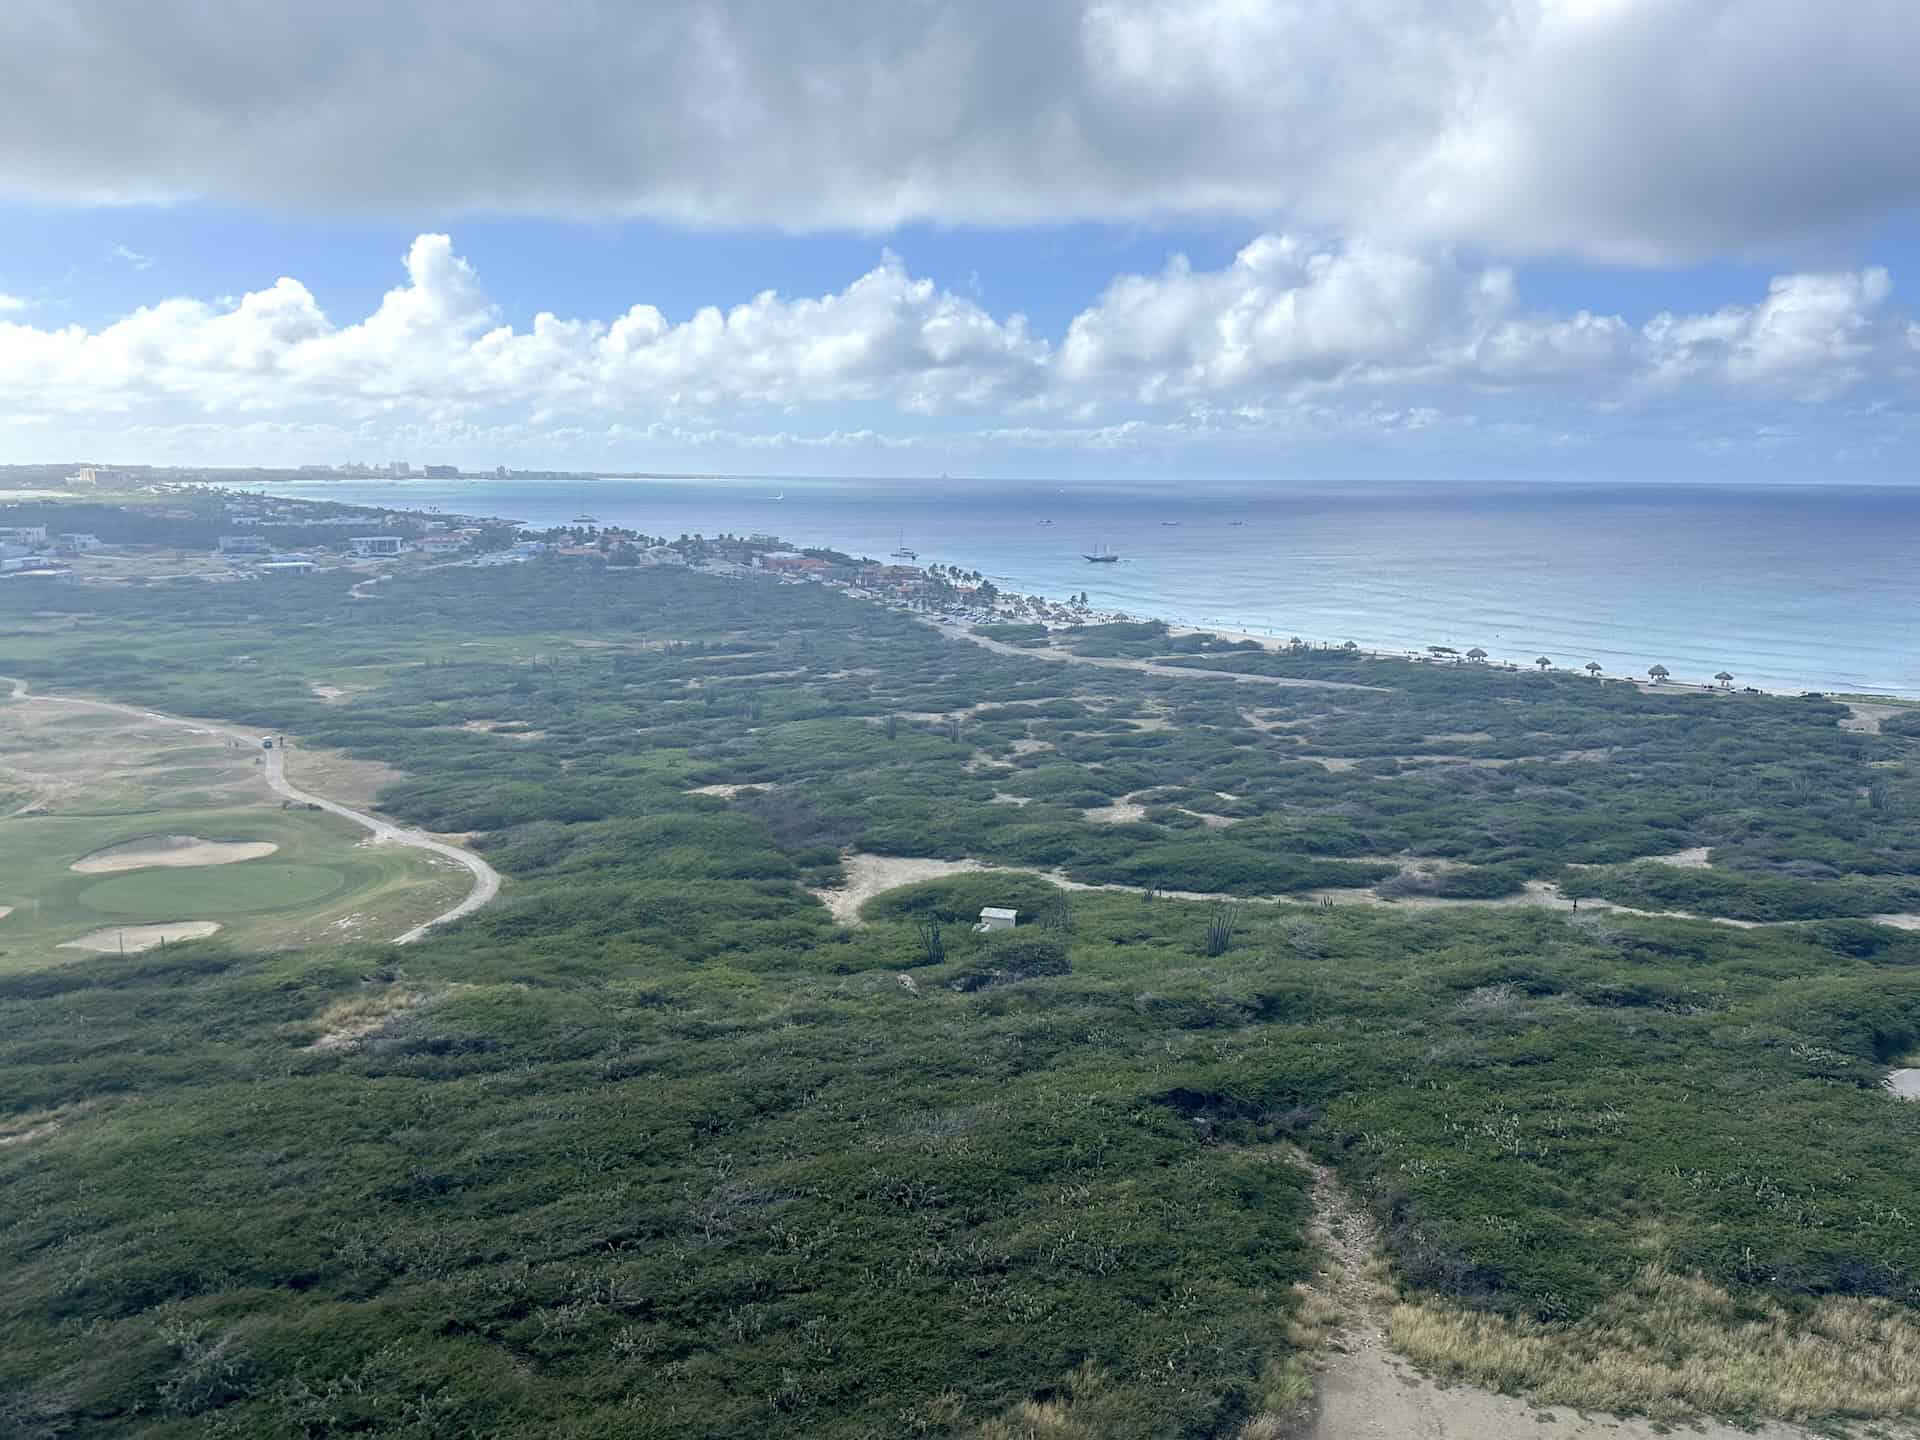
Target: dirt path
[
  {"x": 1145, "y": 667},
  {"x": 1366, "y": 1392},
  {"x": 486, "y": 880}
]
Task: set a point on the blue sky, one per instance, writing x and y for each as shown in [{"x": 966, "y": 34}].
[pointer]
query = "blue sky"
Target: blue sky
[{"x": 1231, "y": 238}]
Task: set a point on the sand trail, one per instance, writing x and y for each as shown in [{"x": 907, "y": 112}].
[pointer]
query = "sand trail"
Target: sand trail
[{"x": 1366, "y": 1391}]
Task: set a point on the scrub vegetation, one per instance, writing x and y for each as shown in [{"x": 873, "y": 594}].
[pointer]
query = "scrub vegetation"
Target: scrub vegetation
[{"x": 653, "y": 1146}]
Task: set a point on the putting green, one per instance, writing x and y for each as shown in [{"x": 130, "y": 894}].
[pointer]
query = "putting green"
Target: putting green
[{"x": 253, "y": 888}]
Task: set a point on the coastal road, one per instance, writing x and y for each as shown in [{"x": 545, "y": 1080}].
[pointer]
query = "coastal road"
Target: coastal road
[
  {"x": 1147, "y": 667},
  {"x": 486, "y": 880}
]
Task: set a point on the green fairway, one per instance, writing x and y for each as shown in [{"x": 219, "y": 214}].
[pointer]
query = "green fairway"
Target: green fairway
[{"x": 255, "y": 888}]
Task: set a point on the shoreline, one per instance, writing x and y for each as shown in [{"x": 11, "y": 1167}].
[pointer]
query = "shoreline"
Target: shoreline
[
  {"x": 1494, "y": 662},
  {"x": 1863, "y": 691}
]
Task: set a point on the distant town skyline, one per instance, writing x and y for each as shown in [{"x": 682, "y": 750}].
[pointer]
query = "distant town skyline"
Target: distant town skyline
[{"x": 1601, "y": 239}]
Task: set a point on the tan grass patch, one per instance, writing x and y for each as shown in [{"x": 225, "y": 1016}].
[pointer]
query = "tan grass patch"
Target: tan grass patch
[
  {"x": 1674, "y": 1345},
  {"x": 347, "y": 1024}
]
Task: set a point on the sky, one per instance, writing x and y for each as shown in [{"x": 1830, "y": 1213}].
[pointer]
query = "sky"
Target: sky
[{"x": 1161, "y": 240}]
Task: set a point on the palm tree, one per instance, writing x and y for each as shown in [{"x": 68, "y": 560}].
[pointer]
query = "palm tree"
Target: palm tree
[
  {"x": 1592, "y": 668},
  {"x": 1657, "y": 673},
  {"x": 1543, "y": 662},
  {"x": 1724, "y": 678},
  {"x": 1476, "y": 654}
]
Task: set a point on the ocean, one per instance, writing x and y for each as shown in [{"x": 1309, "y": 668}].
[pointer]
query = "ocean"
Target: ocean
[{"x": 1782, "y": 586}]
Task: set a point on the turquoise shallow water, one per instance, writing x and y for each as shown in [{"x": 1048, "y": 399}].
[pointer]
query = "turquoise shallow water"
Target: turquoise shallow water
[{"x": 1784, "y": 586}]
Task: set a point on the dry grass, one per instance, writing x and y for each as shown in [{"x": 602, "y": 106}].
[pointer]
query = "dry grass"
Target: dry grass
[
  {"x": 348, "y": 1024},
  {"x": 1674, "y": 1345},
  {"x": 1085, "y": 1408}
]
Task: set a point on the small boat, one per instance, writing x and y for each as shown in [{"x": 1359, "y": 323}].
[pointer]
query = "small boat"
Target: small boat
[
  {"x": 1046, "y": 522},
  {"x": 1236, "y": 523},
  {"x": 1169, "y": 523},
  {"x": 585, "y": 520}
]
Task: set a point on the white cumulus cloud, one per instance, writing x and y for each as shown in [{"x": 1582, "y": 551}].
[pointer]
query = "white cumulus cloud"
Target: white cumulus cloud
[{"x": 1367, "y": 337}]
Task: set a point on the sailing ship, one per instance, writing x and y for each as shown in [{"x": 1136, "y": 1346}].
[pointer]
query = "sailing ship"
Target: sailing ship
[
  {"x": 903, "y": 553},
  {"x": 1100, "y": 556}
]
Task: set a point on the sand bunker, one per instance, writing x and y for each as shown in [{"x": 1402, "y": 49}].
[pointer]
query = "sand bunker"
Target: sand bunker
[
  {"x": 135, "y": 938},
  {"x": 174, "y": 850},
  {"x": 871, "y": 875}
]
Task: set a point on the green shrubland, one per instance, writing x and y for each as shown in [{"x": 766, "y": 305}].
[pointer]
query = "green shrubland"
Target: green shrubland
[{"x": 654, "y": 1146}]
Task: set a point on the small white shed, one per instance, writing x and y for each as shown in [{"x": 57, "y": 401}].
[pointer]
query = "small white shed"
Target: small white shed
[{"x": 994, "y": 918}]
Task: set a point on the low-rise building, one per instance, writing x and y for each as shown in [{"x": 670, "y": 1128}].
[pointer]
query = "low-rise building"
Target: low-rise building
[
  {"x": 76, "y": 543},
  {"x": 992, "y": 917},
  {"x": 23, "y": 534},
  {"x": 278, "y": 566},
  {"x": 245, "y": 545},
  {"x": 377, "y": 544},
  {"x": 441, "y": 544}
]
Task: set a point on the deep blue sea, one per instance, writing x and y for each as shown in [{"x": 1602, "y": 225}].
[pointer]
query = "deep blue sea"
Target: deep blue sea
[{"x": 1784, "y": 586}]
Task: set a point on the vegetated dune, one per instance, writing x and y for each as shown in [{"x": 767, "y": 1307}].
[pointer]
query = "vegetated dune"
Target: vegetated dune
[
  {"x": 171, "y": 850},
  {"x": 135, "y": 938}
]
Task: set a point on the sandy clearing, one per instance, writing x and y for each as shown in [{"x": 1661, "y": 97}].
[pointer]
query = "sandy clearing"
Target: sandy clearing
[
  {"x": 1865, "y": 718},
  {"x": 725, "y": 792},
  {"x": 503, "y": 728},
  {"x": 1000, "y": 797},
  {"x": 871, "y": 875},
  {"x": 132, "y": 939},
  {"x": 1898, "y": 922},
  {"x": 330, "y": 694},
  {"x": 1903, "y": 1083},
  {"x": 1119, "y": 813},
  {"x": 1692, "y": 858},
  {"x": 179, "y": 851},
  {"x": 1031, "y": 747},
  {"x": 1366, "y": 1390}
]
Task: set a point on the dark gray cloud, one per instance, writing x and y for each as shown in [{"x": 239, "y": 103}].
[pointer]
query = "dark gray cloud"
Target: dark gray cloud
[{"x": 1643, "y": 130}]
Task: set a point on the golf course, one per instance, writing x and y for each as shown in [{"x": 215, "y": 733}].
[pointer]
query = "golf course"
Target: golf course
[{"x": 122, "y": 832}]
